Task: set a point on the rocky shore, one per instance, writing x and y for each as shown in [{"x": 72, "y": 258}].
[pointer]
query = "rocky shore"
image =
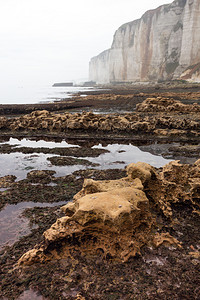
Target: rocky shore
[
  {"x": 128, "y": 233},
  {"x": 115, "y": 218},
  {"x": 157, "y": 116}
]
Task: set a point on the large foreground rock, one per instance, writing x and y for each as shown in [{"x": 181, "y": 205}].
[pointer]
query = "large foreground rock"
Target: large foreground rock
[
  {"x": 102, "y": 219},
  {"x": 115, "y": 218}
]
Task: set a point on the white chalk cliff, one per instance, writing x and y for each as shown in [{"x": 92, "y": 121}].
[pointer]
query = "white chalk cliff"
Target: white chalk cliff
[{"x": 163, "y": 45}]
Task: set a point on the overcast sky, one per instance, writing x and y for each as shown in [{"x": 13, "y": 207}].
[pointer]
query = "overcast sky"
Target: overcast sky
[{"x": 46, "y": 41}]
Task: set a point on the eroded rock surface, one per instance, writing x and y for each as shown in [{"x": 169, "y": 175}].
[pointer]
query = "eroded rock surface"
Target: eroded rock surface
[
  {"x": 114, "y": 218},
  {"x": 175, "y": 183},
  {"x": 155, "y": 116},
  {"x": 69, "y": 161},
  {"x": 160, "y": 104}
]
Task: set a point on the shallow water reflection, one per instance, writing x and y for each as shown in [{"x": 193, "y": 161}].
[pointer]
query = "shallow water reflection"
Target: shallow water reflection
[
  {"x": 20, "y": 164},
  {"x": 119, "y": 156},
  {"x": 13, "y": 225},
  {"x": 40, "y": 143},
  {"x": 31, "y": 295}
]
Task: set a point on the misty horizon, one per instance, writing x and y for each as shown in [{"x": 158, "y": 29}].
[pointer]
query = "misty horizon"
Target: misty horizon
[{"x": 44, "y": 42}]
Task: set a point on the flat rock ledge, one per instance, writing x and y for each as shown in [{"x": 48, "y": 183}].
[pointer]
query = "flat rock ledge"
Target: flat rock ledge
[
  {"x": 155, "y": 116},
  {"x": 115, "y": 218}
]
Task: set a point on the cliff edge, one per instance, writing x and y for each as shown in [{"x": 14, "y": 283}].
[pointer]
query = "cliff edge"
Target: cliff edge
[{"x": 163, "y": 45}]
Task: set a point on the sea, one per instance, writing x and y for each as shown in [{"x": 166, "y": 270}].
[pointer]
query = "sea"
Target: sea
[{"x": 31, "y": 94}]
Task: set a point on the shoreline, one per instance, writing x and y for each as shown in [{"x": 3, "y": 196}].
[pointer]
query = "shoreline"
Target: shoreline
[{"x": 138, "y": 92}]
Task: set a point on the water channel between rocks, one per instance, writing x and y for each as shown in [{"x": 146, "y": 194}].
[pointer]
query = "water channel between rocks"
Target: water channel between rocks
[
  {"x": 119, "y": 156},
  {"x": 13, "y": 225}
]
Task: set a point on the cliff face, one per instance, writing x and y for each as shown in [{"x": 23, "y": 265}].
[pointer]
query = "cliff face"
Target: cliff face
[{"x": 164, "y": 44}]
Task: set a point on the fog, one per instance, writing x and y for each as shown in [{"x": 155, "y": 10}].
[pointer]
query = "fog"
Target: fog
[{"x": 46, "y": 41}]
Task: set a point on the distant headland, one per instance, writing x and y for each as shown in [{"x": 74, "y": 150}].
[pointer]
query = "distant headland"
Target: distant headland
[{"x": 60, "y": 84}]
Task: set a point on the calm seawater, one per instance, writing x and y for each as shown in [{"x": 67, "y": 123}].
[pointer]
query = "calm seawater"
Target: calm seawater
[{"x": 34, "y": 94}]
